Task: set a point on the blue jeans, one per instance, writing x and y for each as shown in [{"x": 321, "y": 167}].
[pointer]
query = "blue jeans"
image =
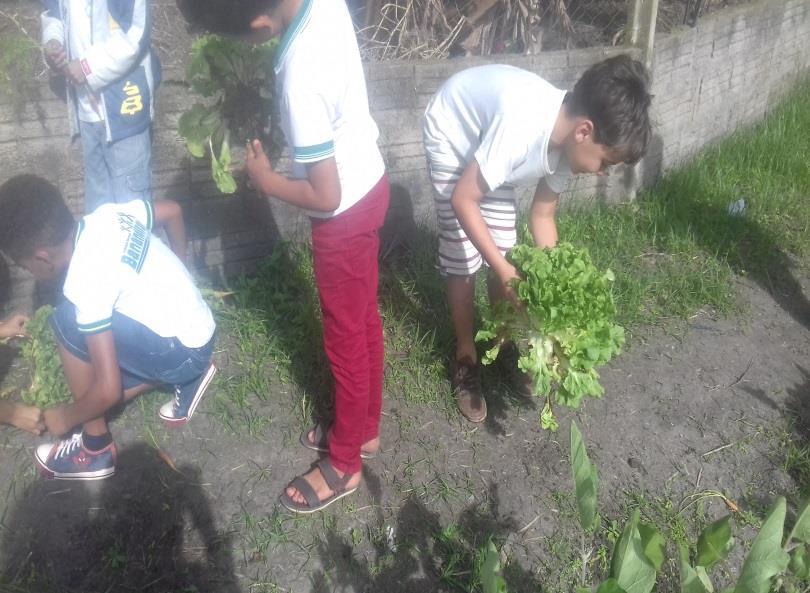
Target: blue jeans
[
  {"x": 115, "y": 172},
  {"x": 143, "y": 356}
]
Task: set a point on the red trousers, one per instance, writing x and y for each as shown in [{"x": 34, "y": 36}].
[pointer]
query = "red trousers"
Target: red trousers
[{"x": 345, "y": 252}]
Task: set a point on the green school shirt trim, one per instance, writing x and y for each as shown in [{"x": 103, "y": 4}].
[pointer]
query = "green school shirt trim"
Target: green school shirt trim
[
  {"x": 150, "y": 215},
  {"x": 96, "y": 327},
  {"x": 317, "y": 152},
  {"x": 79, "y": 229},
  {"x": 299, "y": 20}
]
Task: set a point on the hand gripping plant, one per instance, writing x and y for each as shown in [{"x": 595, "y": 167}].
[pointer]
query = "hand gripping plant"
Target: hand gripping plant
[{"x": 565, "y": 327}]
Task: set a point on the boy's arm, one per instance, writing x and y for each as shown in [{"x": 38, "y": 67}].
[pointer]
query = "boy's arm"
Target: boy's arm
[
  {"x": 542, "y": 222},
  {"x": 108, "y": 60},
  {"x": 53, "y": 35},
  {"x": 319, "y": 192},
  {"x": 103, "y": 393},
  {"x": 169, "y": 215},
  {"x": 466, "y": 200}
]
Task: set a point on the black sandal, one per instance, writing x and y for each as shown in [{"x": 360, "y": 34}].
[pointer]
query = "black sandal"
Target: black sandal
[
  {"x": 321, "y": 444},
  {"x": 313, "y": 504}
]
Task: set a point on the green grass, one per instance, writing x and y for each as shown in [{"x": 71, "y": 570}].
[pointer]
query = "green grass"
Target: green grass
[{"x": 416, "y": 321}]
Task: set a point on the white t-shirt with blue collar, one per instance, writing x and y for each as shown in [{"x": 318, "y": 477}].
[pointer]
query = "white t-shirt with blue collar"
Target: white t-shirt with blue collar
[
  {"x": 119, "y": 265},
  {"x": 324, "y": 102}
]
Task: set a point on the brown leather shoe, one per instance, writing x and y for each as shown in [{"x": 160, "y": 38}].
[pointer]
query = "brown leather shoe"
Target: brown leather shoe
[{"x": 465, "y": 379}]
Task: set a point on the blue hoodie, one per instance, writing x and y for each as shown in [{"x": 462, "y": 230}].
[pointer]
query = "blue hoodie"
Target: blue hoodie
[{"x": 119, "y": 65}]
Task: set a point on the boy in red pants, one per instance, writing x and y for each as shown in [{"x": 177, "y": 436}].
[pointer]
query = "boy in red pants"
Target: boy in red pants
[{"x": 339, "y": 179}]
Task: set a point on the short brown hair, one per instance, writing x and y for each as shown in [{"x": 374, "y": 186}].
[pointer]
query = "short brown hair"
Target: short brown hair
[{"x": 613, "y": 95}]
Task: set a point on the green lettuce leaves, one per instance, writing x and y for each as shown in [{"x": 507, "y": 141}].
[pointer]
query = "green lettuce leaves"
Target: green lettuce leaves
[
  {"x": 40, "y": 352},
  {"x": 566, "y": 327}
]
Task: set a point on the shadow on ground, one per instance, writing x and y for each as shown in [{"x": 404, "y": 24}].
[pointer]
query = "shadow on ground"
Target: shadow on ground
[
  {"x": 147, "y": 529},
  {"x": 420, "y": 554},
  {"x": 798, "y": 410}
]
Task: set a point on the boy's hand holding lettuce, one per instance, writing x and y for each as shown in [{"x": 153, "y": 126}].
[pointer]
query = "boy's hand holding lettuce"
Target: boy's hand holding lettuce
[{"x": 565, "y": 328}]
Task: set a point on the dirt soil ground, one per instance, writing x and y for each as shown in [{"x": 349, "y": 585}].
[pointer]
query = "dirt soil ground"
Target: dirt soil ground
[{"x": 683, "y": 413}]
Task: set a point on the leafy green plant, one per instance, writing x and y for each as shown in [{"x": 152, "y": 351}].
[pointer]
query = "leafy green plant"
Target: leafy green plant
[
  {"x": 565, "y": 327},
  {"x": 48, "y": 385},
  {"x": 585, "y": 481},
  {"x": 640, "y": 551},
  {"x": 237, "y": 81}
]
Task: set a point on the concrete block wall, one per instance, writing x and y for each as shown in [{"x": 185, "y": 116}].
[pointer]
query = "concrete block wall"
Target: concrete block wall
[{"x": 727, "y": 71}]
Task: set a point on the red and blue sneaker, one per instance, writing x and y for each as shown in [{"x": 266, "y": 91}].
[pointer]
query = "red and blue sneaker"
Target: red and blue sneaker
[
  {"x": 70, "y": 460},
  {"x": 186, "y": 398}
]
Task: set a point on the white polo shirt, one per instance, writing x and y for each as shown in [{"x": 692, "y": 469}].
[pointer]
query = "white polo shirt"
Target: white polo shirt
[
  {"x": 323, "y": 99},
  {"x": 503, "y": 117},
  {"x": 118, "y": 265}
]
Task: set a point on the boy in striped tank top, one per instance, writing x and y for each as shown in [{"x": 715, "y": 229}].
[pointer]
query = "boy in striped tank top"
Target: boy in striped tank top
[{"x": 491, "y": 128}]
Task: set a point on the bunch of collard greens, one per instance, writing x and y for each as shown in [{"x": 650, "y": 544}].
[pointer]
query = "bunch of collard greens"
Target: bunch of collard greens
[
  {"x": 566, "y": 327},
  {"x": 237, "y": 81},
  {"x": 48, "y": 385}
]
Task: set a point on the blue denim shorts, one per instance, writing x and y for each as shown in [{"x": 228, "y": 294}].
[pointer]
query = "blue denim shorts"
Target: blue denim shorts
[{"x": 143, "y": 356}]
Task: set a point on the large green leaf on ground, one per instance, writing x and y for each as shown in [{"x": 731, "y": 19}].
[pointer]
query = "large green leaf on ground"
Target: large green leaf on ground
[
  {"x": 801, "y": 529},
  {"x": 693, "y": 581},
  {"x": 800, "y": 563},
  {"x": 491, "y": 579},
  {"x": 653, "y": 544},
  {"x": 629, "y": 564},
  {"x": 766, "y": 559},
  {"x": 714, "y": 543},
  {"x": 585, "y": 481}
]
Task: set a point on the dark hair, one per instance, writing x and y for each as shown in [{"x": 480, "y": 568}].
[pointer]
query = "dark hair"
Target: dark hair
[
  {"x": 224, "y": 17},
  {"x": 613, "y": 95},
  {"x": 32, "y": 216}
]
